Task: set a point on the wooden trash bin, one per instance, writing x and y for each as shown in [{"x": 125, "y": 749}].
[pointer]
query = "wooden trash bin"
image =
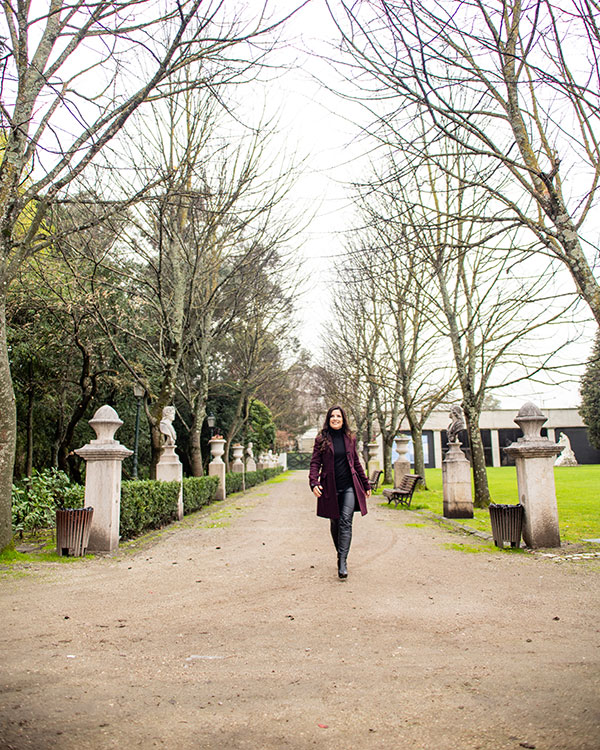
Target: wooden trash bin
[
  {"x": 507, "y": 524},
  {"x": 73, "y": 531}
]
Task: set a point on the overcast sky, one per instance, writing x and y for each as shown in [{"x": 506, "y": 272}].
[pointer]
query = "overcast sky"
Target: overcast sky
[{"x": 327, "y": 130}]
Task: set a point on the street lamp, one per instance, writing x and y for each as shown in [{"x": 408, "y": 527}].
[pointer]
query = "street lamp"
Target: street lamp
[
  {"x": 210, "y": 421},
  {"x": 138, "y": 392}
]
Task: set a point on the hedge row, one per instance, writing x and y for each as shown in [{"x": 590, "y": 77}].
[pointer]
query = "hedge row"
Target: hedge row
[
  {"x": 198, "y": 491},
  {"x": 146, "y": 504},
  {"x": 233, "y": 482}
]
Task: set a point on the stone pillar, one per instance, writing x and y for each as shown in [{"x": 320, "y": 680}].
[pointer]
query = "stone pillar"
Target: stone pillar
[
  {"x": 496, "y": 459},
  {"x": 401, "y": 464},
  {"x": 456, "y": 482},
  {"x": 216, "y": 468},
  {"x": 170, "y": 469},
  {"x": 104, "y": 457},
  {"x": 238, "y": 465},
  {"x": 374, "y": 464},
  {"x": 262, "y": 462},
  {"x": 534, "y": 456},
  {"x": 437, "y": 448},
  {"x": 250, "y": 462}
]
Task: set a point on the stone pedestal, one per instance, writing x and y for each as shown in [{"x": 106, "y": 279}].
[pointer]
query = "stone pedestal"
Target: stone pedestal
[
  {"x": 262, "y": 462},
  {"x": 456, "y": 481},
  {"x": 216, "y": 468},
  {"x": 169, "y": 469},
  {"x": 238, "y": 465},
  {"x": 374, "y": 464},
  {"x": 104, "y": 457},
  {"x": 250, "y": 462},
  {"x": 401, "y": 464},
  {"x": 534, "y": 457}
]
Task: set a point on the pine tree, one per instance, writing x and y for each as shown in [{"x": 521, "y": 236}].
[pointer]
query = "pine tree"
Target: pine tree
[{"x": 590, "y": 395}]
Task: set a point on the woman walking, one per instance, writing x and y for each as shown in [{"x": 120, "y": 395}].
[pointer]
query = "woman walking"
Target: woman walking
[{"x": 338, "y": 481}]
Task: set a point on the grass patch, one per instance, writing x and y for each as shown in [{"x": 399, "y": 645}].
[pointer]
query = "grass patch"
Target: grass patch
[
  {"x": 577, "y": 495},
  {"x": 11, "y": 556},
  {"x": 417, "y": 525},
  {"x": 470, "y": 548},
  {"x": 283, "y": 477}
]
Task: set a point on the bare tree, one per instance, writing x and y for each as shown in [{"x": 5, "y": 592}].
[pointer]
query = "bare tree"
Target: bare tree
[
  {"x": 72, "y": 75},
  {"x": 517, "y": 84},
  {"x": 496, "y": 306}
]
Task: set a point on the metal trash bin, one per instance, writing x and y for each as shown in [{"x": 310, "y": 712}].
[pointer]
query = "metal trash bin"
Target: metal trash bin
[
  {"x": 73, "y": 531},
  {"x": 507, "y": 524}
]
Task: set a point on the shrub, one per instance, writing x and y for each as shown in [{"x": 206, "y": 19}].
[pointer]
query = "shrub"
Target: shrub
[
  {"x": 198, "y": 491},
  {"x": 36, "y": 498},
  {"x": 147, "y": 504},
  {"x": 233, "y": 482}
]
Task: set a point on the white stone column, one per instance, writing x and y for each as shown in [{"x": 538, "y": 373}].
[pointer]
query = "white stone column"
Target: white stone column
[
  {"x": 534, "y": 456},
  {"x": 456, "y": 482},
  {"x": 374, "y": 463},
  {"x": 238, "y": 465},
  {"x": 496, "y": 459},
  {"x": 217, "y": 468},
  {"x": 437, "y": 448},
  {"x": 104, "y": 457},
  {"x": 170, "y": 469},
  {"x": 401, "y": 464}
]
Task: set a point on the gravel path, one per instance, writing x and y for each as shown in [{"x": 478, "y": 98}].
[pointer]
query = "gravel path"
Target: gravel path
[{"x": 231, "y": 630}]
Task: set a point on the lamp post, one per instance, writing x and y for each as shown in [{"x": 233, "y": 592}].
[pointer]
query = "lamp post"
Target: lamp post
[
  {"x": 138, "y": 392},
  {"x": 210, "y": 421}
]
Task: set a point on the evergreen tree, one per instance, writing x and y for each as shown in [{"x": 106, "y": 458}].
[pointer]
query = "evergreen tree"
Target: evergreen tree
[{"x": 590, "y": 395}]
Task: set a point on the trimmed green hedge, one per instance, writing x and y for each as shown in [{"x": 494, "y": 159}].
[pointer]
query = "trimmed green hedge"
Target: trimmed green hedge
[
  {"x": 233, "y": 482},
  {"x": 147, "y": 504},
  {"x": 198, "y": 491}
]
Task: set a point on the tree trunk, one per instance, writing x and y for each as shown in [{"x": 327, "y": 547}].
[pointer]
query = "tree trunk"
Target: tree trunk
[
  {"x": 388, "y": 471},
  {"x": 30, "y": 404},
  {"x": 416, "y": 431},
  {"x": 8, "y": 433},
  {"x": 198, "y": 414},
  {"x": 196, "y": 464},
  {"x": 482, "y": 493}
]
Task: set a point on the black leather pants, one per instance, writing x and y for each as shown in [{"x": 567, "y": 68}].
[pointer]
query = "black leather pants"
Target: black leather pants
[{"x": 346, "y": 502}]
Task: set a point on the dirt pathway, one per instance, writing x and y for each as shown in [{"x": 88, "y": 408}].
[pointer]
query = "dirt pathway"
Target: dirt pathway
[{"x": 240, "y": 635}]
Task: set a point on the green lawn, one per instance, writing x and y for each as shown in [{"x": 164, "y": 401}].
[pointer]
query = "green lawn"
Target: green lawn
[{"x": 577, "y": 494}]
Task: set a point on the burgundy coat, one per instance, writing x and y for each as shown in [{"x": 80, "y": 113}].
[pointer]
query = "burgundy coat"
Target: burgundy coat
[{"x": 322, "y": 471}]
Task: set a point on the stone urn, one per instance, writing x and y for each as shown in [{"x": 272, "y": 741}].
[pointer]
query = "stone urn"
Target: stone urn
[
  {"x": 217, "y": 448},
  {"x": 238, "y": 465},
  {"x": 373, "y": 448},
  {"x": 401, "y": 464}
]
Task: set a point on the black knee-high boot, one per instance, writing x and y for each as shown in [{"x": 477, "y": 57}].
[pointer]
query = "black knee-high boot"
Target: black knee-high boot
[
  {"x": 334, "y": 525},
  {"x": 344, "y": 540}
]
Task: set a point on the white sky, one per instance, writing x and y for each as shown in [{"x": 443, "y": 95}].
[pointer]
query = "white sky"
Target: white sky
[{"x": 326, "y": 129}]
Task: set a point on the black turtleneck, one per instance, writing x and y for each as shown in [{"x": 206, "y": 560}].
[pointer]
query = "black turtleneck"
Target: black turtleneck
[{"x": 343, "y": 477}]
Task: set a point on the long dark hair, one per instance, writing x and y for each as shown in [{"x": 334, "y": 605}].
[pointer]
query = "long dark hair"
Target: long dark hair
[{"x": 324, "y": 434}]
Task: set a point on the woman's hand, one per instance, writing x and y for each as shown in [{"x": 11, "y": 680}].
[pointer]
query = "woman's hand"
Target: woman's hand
[
  {"x": 368, "y": 493},
  {"x": 317, "y": 490}
]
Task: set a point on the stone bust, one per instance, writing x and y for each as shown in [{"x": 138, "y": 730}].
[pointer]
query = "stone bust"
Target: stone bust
[
  {"x": 166, "y": 425},
  {"x": 457, "y": 423}
]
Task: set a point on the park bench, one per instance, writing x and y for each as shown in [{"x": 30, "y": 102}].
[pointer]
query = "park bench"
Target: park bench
[
  {"x": 374, "y": 480},
  {"x": 404, "y": 492}
]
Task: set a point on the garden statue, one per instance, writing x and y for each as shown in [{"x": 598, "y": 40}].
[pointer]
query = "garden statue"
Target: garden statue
[
  {"x": 567, "y": 456},
  {"x": 457, "y": 423},
  {"x": 169, "y": 468},
  {"x": 166, "y": 425}
]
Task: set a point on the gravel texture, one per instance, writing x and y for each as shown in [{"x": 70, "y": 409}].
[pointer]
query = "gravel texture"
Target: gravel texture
[{"x": 232, "y": 630}]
